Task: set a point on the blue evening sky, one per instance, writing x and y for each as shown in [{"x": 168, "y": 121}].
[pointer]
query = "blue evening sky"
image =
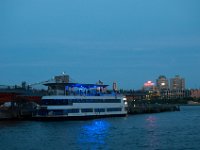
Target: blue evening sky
[{"x": 127, "y": 41}]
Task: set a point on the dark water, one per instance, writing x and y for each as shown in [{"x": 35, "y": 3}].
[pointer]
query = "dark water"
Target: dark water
[{"x": 163, "y": 131}]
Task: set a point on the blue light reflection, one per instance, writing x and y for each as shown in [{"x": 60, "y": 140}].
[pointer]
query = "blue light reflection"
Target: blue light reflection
[{"x": 93, "y": 135}]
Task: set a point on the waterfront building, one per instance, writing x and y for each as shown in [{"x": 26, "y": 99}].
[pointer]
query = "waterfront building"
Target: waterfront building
[
  {"x": 195, "y": 93},
  {"x": 177, "y": 83},
  {"x": 150, "y": 89},
  {"x": 162, "y": 83},
  {"x": 136, "y": 95},
  {"x": 176, "y": 89},
  {"x": 149, "y": 86},
  {"x": 175, "y": 94}
]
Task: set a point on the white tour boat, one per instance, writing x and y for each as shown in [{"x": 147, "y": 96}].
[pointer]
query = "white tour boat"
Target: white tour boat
[{"x": 75, "y": 101}]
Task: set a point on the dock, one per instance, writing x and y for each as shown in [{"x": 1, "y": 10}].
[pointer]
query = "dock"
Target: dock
[{"x": 151, "y": 108}]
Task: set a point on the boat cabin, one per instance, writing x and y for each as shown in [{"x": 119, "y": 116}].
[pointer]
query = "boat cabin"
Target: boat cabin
[{"x": 74, "y": 89}]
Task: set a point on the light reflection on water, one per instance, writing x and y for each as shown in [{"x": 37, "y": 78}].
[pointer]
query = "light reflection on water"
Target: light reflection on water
[
  {"x": 93, "y": 134},
  {"x": 152, "y": 140}
]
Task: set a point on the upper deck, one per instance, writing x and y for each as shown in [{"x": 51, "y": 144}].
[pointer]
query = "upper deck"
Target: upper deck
[
  {"x": 63, "y": 86},
  {"x": 76, "y": 89}
]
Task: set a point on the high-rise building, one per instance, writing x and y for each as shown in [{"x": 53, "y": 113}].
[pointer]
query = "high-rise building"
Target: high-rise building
[
  {"x": 162, "y": 83},
  {"x": 177, "y": 83}
]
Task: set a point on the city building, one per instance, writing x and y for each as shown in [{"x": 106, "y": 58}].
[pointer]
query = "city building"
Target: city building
[
  {"x": 162, "y": 83},
  {"x": 195, "y": 93},
  {"x": 164, "y": 90},
  {"x": 149, "y": 86},
  {"x": 177, "y": 83}
]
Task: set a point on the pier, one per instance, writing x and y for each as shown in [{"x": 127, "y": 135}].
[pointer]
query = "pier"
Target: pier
[{"x": 150, "y": 108}]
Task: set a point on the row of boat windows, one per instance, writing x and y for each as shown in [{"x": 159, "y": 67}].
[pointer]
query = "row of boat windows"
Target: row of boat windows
[
  {"x": 84, "y": 110},
  {"x": 71, "y": 101}
]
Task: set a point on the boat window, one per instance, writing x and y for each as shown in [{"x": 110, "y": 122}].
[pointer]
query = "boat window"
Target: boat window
[
  {"x": 55, "y": 112},
  {"x": 72, "y": 110},
  {"x": 114, "y": 109},
  {"x": 86, "y": 110},
  {"x": 99, "y": 110},
  {"x": 71, "y": 101}
]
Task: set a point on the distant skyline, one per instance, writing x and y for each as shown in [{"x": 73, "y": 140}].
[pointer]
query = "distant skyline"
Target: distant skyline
[{"x": 129, "y": 41}]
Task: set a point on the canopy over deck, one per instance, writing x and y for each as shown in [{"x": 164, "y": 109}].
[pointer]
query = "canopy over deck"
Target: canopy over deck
[{"x": 76, "y": 85}]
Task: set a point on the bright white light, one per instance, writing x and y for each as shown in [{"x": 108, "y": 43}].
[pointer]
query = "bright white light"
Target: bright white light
[
  {"x": 124, "y": 98},
  {"x": 162, "y": 84}
]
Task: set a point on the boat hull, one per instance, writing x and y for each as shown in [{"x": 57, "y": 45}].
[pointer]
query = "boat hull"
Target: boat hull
[{"x": 88, "y": 117}]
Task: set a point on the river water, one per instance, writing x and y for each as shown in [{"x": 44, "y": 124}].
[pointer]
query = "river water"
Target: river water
[{"x": 159, "y": 131}]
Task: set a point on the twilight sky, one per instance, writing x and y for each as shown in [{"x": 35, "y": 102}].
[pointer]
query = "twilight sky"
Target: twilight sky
[{"x": 127, "y": 41}]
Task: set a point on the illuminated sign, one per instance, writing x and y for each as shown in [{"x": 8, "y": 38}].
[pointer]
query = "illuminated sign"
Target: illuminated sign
[{"x": 148, "y": 83}]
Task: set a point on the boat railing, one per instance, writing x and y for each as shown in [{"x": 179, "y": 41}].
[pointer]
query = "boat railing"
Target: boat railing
[{"x": 84, "y": 94}]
